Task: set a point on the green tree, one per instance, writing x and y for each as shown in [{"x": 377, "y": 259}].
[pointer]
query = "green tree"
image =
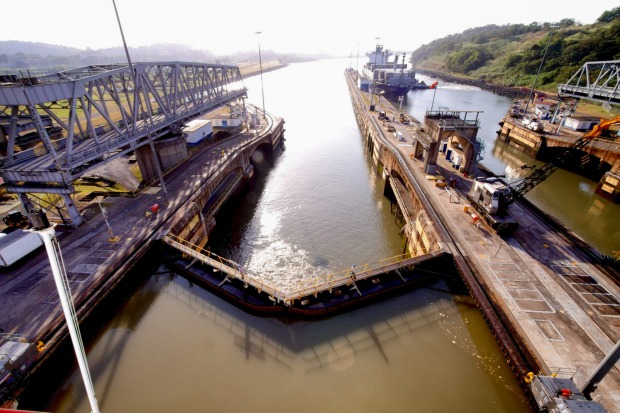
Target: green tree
[
  {"x": 466, "y": 60},
  {"x": 609, "y": 16}
]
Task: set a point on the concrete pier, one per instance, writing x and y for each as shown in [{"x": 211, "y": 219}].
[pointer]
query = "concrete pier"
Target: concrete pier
[{"x": 548, "y": 303}]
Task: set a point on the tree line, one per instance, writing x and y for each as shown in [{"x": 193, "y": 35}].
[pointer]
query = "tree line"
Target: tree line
[{"x": 511, "y": 55}]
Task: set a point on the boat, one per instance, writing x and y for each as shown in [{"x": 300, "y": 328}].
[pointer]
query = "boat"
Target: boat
[{"x": 393, "y": 79}]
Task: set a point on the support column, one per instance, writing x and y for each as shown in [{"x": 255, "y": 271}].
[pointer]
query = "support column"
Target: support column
[
  {"x": 26, "y": 203},
  {"x": 74, "y": 214}
]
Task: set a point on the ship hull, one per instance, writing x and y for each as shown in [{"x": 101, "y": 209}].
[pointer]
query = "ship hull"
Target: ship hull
[{"x": 392, "y": 91}]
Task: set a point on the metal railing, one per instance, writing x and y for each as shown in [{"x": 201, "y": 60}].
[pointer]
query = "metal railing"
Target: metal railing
[
  {"x": 229, "y": 267},
  {"x": 305, "y": 287}
]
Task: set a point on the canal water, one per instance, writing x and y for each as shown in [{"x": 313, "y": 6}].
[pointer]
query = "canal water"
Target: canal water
[{"x": 167, "y": 345}]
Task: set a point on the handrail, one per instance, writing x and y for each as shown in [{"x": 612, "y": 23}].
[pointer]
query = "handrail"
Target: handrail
[{"x": 304, "y": 287}]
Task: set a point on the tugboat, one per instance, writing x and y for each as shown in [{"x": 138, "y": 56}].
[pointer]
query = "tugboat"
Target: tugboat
[{"x": 392, "y": 78}]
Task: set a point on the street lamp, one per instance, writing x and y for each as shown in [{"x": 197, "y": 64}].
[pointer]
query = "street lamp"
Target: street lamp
[
  {"x": 379, "y": 99},
  {"x": 260, "y": 63},
  {"x": 105, "y": 213}
]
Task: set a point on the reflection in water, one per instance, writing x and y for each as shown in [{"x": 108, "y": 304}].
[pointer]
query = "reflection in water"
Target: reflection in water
[{"x": 419, "y": 351}]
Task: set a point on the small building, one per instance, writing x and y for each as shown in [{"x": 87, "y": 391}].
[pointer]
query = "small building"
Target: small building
[
  {"x": 225, "y": 121},
  {"x": 581, "y": 124},
  {"x": 363, "y": 84},
  {"x": 451, "y": 132},
  {"x": 196, "y": 130},
  {"x": 542, "y": 112}
]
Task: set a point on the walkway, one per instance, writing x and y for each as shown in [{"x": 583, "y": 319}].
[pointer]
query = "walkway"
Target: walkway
[{"x": 305, "y": 287}]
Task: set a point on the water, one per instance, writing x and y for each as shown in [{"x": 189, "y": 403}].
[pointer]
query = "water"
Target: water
[
  {"x": 183, "y": 349},
  {"x": 320, "y": 209},
  {"x": 173, "y": 346}
]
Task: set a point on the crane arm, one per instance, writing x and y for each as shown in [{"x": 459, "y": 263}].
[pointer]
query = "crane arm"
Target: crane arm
[
  {"x": 598, "y": 129},
  {"x": 526, "y": 184}
]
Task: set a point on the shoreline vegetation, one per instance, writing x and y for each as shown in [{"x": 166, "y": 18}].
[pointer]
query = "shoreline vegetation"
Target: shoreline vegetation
[{"x": 506, "y": 91}]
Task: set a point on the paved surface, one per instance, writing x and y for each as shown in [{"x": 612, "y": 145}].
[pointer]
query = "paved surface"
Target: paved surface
[{"x": 567, "y": 310}]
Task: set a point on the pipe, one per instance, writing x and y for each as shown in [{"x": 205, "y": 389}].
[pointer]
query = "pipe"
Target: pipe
[{"x": 56, "y": 262}]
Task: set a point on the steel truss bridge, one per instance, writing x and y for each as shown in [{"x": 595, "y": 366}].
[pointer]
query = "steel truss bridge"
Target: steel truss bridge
[
  {"x": 598, "y": 81},
  {"x": 59, "y": 126}
]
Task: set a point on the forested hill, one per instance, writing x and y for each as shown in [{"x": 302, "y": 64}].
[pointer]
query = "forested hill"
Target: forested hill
[{"x": 511, "y": 55}]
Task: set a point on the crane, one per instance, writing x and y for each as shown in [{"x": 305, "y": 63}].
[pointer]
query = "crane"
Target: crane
[{"x": 492, "y": 197}]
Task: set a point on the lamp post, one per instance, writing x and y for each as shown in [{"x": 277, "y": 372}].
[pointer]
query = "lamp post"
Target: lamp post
[
  {"x": 260, "y": 63},
  {"x": 379, "y": 99},
  {"x": 104, "y": 214},
  {"x": 160, "y": 175}
]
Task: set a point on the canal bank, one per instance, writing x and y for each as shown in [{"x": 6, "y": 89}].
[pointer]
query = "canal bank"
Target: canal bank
[{"x": 537, "y": 295}]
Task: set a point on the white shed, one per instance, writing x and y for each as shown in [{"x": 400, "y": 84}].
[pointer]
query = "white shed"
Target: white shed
[
  {"x": 580, "y": 124},
  {"x": 226, "y": 122},
  {"x": 196, "y": 130}
]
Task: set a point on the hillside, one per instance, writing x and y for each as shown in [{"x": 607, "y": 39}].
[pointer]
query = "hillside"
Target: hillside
[
  {"x": 511, "y": 55},
  {"x": 38, "y": 58}
]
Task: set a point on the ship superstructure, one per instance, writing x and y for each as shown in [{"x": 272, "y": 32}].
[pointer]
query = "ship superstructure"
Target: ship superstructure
[{"x": 392, "y": 78}]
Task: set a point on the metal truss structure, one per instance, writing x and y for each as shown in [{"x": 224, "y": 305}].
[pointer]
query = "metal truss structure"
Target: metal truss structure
[
  {"x": 58, "y": 126},
  {"x": 598, "y": 81}
]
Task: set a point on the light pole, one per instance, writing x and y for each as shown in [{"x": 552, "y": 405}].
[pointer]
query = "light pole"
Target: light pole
[
  {"x": 160, "y": 175},
  {"x": 379, "y": 99},
  {"x": 104, "y": 213},
  {"x": 260, "y": 63}
]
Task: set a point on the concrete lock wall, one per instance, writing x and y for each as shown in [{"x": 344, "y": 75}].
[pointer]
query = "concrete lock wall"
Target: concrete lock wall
[
  {"x": 192, "y": 222},
  {"x": 169, "y": 152},
  {"x": 420, "y": 232}
]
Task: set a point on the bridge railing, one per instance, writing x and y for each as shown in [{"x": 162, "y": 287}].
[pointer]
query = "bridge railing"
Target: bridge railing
[
  {"x": 304, "y": 287},
  {"x": 229, "y": 267}
]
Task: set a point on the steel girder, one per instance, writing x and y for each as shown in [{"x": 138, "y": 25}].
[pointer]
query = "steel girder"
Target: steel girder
[
  {"x": 98, "y": 111},
  {"x": 60, "y": 125},
  {"x": 598, "y": 81}
]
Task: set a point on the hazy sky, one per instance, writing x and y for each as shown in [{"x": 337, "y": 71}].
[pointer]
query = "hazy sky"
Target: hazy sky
[{"x": 340, "y": 27}]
